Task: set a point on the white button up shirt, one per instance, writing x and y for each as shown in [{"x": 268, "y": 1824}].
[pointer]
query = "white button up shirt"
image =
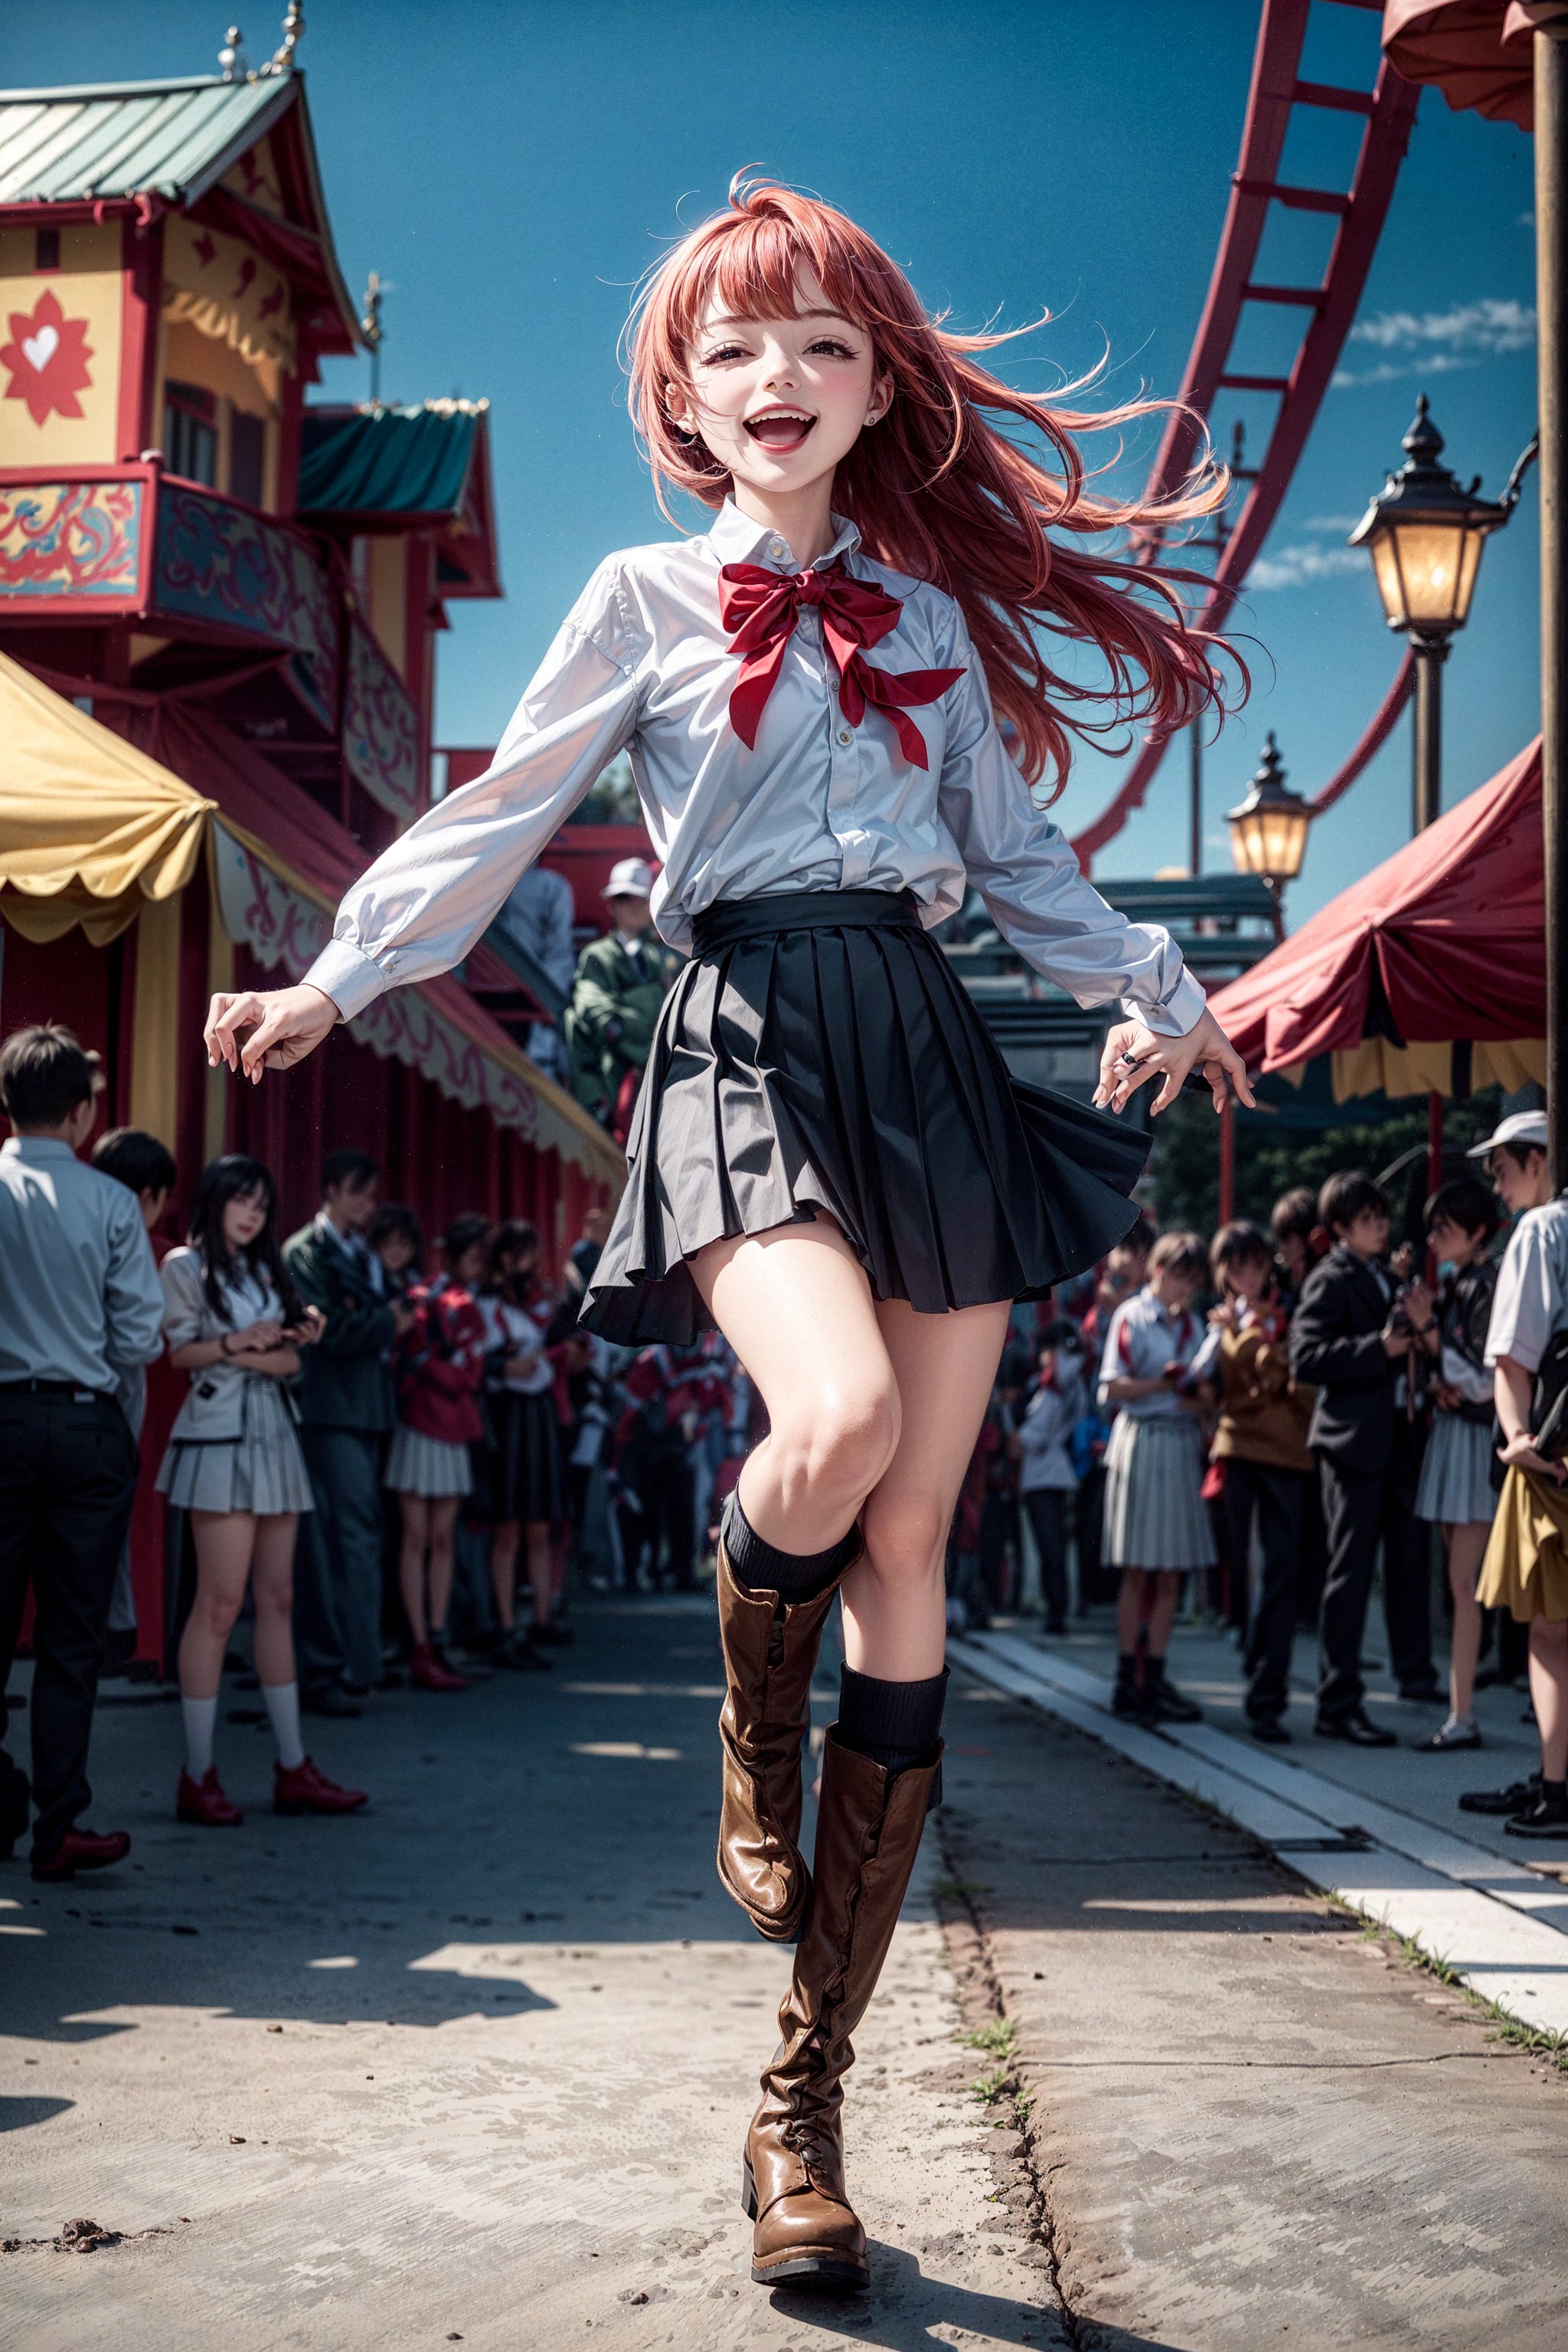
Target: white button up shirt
[
  {"x": 80, "y": 1295},
  {"x": 642, "y": 665}
]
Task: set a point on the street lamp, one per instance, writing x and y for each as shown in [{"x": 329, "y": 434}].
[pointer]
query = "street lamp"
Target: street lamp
[
  {"x": 1269, "y": 831},
  {"x": 1424, "y": 534}
]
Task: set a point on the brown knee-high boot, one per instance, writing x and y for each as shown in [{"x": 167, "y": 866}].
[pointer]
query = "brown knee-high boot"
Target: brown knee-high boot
[
  {"x": 868, "y": 1827},
  {"x": 770, "y": 1656}
]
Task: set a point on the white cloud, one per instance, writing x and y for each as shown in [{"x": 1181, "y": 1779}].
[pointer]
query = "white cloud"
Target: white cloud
[
  {"x": 1436, "y": 343},
  {"x": 1493, "y": 324},
  {"x": 1293, "y": 567},
  {"x": 1341, "y": 523}
]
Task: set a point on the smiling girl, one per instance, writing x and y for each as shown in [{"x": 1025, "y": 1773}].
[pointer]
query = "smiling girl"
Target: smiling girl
[{"x": 828, "y": 699}]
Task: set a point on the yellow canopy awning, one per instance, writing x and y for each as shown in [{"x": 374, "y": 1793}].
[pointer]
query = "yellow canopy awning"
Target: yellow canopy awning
[{"x": 90, "y": 828}]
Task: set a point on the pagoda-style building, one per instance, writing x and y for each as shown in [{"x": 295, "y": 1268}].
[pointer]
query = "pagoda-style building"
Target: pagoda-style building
[{"x": 219, "y": 608}]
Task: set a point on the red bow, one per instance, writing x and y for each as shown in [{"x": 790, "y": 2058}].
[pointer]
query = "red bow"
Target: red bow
[{"x": 762, "y": 608}]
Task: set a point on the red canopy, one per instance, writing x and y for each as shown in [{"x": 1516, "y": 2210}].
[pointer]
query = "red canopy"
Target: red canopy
[
  {"x": 1447, "y": 939},
  {"x": 1478, "y": 52}
]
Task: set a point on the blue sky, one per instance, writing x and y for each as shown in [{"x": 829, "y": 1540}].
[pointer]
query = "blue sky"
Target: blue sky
[{"x": 511, "y": 169}]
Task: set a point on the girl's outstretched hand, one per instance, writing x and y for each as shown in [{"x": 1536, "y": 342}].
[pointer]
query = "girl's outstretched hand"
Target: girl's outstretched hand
[
  {"x": 1133, "y": 1054},
  {"x": 285, "y": 1024}
]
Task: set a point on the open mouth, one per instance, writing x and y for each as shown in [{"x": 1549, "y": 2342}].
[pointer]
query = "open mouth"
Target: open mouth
[{"x": 780, "y": 428}]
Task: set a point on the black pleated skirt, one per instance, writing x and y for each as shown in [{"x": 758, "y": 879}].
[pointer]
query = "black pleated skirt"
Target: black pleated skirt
[
  {"x": 527, "y": 1467},
  {"x": 818, "y": 1053}
]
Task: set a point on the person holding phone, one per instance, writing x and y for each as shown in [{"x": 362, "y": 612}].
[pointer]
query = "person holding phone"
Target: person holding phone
[{"x": 234, "y": 1321}]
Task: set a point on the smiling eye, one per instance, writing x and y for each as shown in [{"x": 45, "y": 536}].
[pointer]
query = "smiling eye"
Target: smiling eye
[
  {"x": 831, "y": 343},
  {"x": 724, "y": 351}
]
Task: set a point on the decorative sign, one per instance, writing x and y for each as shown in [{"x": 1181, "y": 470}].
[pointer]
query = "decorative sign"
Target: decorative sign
[
  {"x": 47, "y": 359},
  {"x": 217, "y": 564},
  {"x": 64, "y": 540},
  {"x": 381, "y": 726}
]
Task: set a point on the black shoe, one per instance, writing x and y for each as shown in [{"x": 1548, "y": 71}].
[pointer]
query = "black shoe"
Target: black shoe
[
  {"x": 1164, "y": 1703},
  {"x": 355, "y": 1688},
  {"x": 554, "y": 1636},
  {"x": 1423, "y": 1694},
  {"x": 325, "y": 1699},
  {"x": 1055, "y": 1625},
  {"x": 1356, "y": 1728},
  {"x": 516, "y": 1654},
  {"x": 1270, "y": 1732},
  {"x": 391, "y": 1679},
  {"x": 1126, "y": 1699},
  {"x": 1448, "y": 1738},
  {"x": 1547, "y": 1818},
  {"x": 1511, "y": 1800}
]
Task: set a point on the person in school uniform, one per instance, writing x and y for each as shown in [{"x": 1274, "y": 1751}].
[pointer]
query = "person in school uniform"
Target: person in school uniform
[
  {"x": 1043, "y": 1443},
  {"x": 1155, "y": 1527},
  {"x": 1261, "y": 1443},
  {"x": 1456, "y": 1493},
  {"x": 528, "y": 1497},
  {"x": 617, "y": 994},
  {"x": 828, "y": 1158},
  {"x": 236, "y": 1326},
  {"x": 438, "y": 1365},
  {"x": 1351, "y": 1337}
]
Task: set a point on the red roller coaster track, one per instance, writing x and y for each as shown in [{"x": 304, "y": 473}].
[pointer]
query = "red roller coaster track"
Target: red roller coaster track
[{"x": 1327, "y": 310}]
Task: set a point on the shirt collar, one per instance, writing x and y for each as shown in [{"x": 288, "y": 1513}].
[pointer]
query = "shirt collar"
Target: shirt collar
[
  {"x": 37, "y": 1147},
  {"x": 736, "y": 538}
]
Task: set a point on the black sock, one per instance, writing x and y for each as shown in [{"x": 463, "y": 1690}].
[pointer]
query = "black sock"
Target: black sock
[
  {"x": 895, "y": 1724},
  {"x": 761, "y": 1567},
  {"x": 1127, "y": 1666}
]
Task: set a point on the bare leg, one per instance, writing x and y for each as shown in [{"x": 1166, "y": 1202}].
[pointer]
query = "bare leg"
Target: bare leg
[
  {"x": 411, "y": 1563},
  {"x": 797, "y": 1309},
  {"x": 443, "y": 1521},
  {"x": 223, "y": 1542},
  {"x": 1465, "y": 1546},
  {"x": 541, "y": 1570},
  {"x": 1548, "y": 1690},
  {"x": 272, "y": 1575},
  {"x": 503, "y": 1571},
  {"x": 1163, "y": 1615},
  {"x": 895, "y": 1607},
  {"x": 1132, "y": 1595}
]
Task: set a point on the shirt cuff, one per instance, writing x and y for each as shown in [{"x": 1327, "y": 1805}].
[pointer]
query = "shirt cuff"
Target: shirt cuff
[
  {"x": 348, "y": 977},
  {"x": 1181, "y": 1011}
]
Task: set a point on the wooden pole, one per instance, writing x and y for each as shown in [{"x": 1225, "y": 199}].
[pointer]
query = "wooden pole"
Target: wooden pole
[{"x": 1552, "y": 302}]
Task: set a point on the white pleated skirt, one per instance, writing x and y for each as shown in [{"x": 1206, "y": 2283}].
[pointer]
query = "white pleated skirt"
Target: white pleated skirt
[
  {"x": 432, "y": 1466},
  {"x": 261, "y": 1470},
  {"x": 1154, "y": 1512},
  {"x": 1456, "y": 1488}
]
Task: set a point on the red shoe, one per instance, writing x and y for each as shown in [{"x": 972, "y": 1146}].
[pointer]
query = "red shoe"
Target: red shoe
[
  {"x": 304, "y": 1790},
  {"x": 204, "y": 1801},
  {"x": 81, "y": 1850},
  {"x": 426, "y": 1671}
]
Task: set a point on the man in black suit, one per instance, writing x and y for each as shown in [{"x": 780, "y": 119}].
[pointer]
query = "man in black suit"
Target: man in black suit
[{"x": 1351, "y": 1340}]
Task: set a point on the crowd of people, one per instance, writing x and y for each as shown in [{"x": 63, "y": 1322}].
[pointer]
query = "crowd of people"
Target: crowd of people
[
  {"x": 389, "y": 1455},
  {"x": 1274, "y": 1414}
]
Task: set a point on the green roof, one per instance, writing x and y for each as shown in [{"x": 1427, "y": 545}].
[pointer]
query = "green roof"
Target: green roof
[
  {"x": 171, "y": 139},
  {"x": 388, "y": 461}
]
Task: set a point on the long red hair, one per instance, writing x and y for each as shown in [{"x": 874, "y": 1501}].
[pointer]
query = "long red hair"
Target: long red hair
[{"x": 941, "y": 492}]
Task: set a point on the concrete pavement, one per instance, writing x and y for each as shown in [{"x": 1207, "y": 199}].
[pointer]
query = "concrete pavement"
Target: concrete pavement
[{"x": 474, "y": 2067}]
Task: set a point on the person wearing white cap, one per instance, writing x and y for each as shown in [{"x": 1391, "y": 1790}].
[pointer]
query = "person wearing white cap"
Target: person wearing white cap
[
  {"x": 1525, "y": 1570},
  {"x": 621, "y": 981}
]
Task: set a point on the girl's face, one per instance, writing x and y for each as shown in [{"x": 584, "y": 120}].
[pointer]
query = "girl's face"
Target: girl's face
[
  {"x": 1452, "y": 1243},
  {"x": 1367, "y": 1233},
  {"x": 243, "y": 1218},
  {"x": 1293, "y": 1252},
  {"x": 779, "y": 402},
  {"x": 517, "y": 1265},
  {"x": 469, "y": 1266},
  {"x": 396, "y": 1253},
  {"x": 1247, "y": 1279}
]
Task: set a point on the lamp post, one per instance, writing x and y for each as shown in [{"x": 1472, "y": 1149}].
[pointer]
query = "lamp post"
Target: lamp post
[
  {"x": 1268, "y": 830},
  {"x": 1424, "y": 534}
]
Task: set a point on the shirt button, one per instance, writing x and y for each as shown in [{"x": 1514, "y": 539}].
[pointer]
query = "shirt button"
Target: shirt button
[
  {"x": 778, "y": 551},
  {"x": 845, "y": 736}
]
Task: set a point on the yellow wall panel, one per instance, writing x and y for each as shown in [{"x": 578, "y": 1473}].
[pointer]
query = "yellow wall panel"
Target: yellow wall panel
[{"x": 39, "y": 356}]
